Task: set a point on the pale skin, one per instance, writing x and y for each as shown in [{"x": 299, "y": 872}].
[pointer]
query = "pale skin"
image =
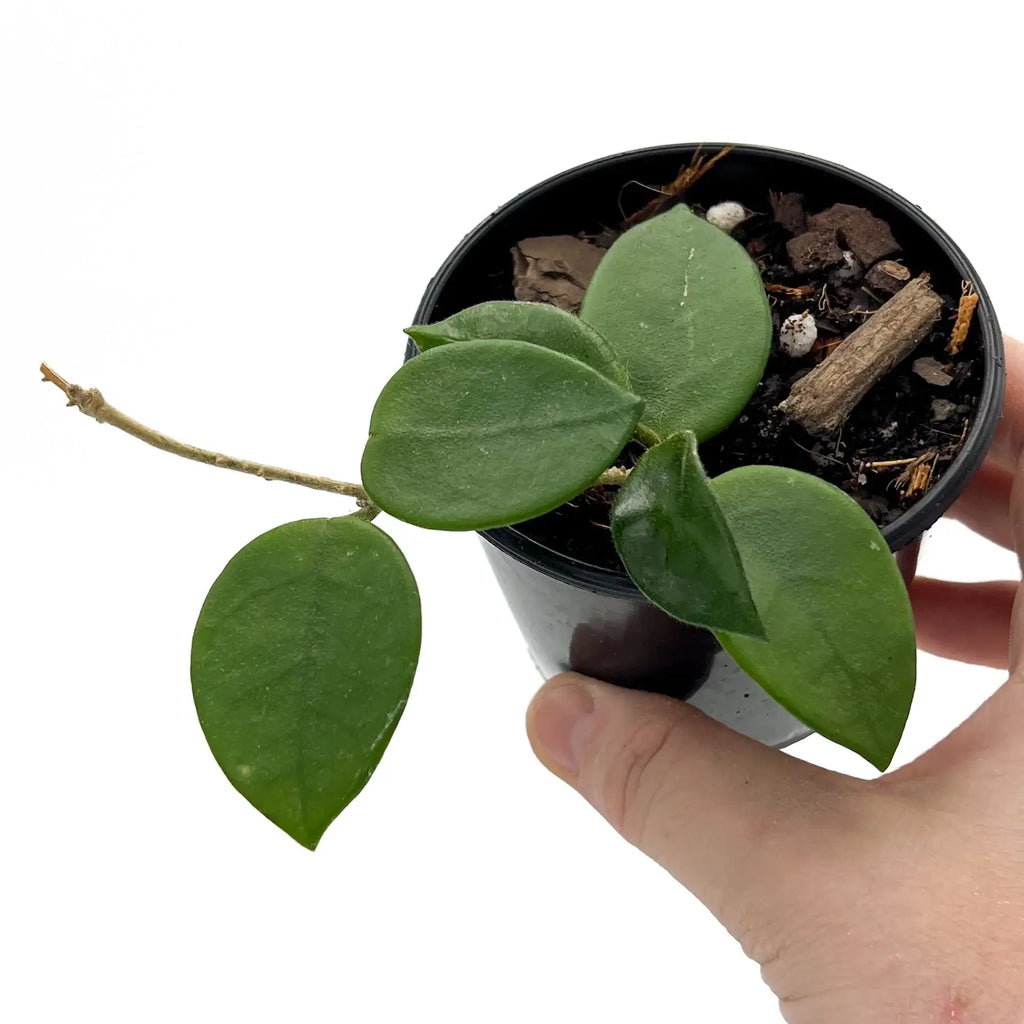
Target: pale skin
[{"x": 898, "y": 900}]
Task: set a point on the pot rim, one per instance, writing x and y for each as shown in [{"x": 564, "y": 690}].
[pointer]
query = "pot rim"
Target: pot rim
[{"x": 902, "y": 531}]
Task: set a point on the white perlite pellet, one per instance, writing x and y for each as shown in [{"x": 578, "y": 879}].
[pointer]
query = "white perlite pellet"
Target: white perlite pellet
[
  {"x": 798, "y": 334},
  {"x": 726, "y": 215}
]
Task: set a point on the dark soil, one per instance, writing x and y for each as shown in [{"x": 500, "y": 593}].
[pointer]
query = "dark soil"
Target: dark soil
[{"x": 897, "y": 420}]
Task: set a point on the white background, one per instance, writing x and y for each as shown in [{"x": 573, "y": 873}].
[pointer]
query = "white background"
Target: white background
[{"x": 222, "y": 214}]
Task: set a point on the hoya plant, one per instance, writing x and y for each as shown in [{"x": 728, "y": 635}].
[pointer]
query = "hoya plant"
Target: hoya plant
[{"x": 306, "y": 646}]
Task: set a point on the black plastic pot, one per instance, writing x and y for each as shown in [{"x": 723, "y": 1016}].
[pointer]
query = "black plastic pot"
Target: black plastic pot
[{"x": 594, "y": 620}]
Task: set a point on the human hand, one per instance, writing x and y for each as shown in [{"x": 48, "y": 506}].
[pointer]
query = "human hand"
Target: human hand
[{"x": 899, "y": 899}]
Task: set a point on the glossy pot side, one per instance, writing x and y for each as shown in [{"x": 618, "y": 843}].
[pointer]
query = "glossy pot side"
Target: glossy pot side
[{"x": 593, "y": 620}]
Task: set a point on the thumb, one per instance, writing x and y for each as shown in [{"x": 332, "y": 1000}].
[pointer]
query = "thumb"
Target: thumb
[{"x": 711, "y": 806}]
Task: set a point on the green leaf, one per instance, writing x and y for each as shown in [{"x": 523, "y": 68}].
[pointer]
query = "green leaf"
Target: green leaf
[
  {"x": 675, "y": 543},
  {"x": 488, "y": 433},
  {"x": 535, "y": 322},
  {"x": 840, "y": 653},
  {"x": 302, "y": 660},
  {"x": 684, "y": 307}
]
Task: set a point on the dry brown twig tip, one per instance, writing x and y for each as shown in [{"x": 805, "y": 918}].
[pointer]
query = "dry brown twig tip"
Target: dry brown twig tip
[
  {"x": 689, "y": 176},
  {"x": 969, "y": 299},
  {"x": 50, "y": 377},
  {"x": 801, "y": 292},
  {"x": 919, "y": 480},
  {"x": 890, "y": 463}
]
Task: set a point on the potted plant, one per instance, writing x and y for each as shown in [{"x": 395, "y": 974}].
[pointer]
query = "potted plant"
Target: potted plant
[{"x": 658, "y": 468}]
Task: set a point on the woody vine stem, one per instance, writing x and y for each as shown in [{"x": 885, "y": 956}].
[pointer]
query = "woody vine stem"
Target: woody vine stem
[{"x": 92, "y": 403}]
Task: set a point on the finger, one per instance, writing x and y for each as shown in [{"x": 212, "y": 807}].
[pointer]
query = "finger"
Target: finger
[
  {"x": 1008, "y": 443},
  {"x": 1017, "y": 512},
  {"x": 1016, "y": 638},
  {"x": 703, "y": 801},
  {"x": 984, "y": 505},
  {"x": 989, "y": 740},
  {"x": 964, "y": 621}
]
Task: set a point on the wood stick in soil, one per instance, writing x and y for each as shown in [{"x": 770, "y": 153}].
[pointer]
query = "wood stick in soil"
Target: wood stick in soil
[{"x": 821, "y": 401}]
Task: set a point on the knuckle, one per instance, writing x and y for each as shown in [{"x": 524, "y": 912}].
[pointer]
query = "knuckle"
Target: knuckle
[{"x": 637, "y": 774}]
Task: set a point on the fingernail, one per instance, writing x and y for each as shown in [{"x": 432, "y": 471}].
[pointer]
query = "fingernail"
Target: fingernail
[{"x": 562, "y": 722}]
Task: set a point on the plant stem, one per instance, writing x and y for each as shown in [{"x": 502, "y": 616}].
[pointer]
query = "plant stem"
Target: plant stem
[
  {"x": 92, "y": 403},
  {"x": 646, "y": 436}
]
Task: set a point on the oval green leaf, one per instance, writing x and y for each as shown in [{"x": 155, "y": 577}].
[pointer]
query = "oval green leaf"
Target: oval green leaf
[
  {"x": 302, "y": 660},
  {"x": 675, "y": 542},
  {"x": 489, "y": 433},
  {"x": 683, "y": 306},
  {"x": 840, "y": 652},
  {"x": 535, "y": 322}
]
